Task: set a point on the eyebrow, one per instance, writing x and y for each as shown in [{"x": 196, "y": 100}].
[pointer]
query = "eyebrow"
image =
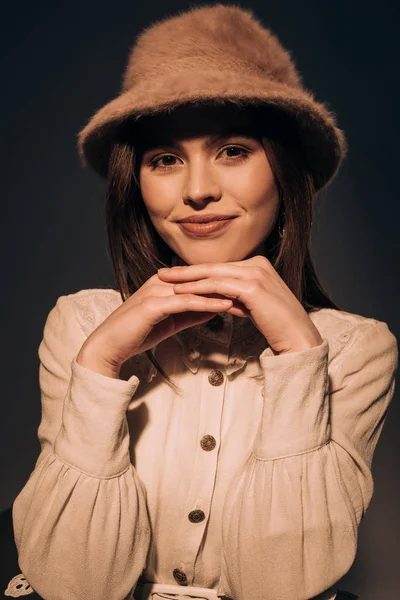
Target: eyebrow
[{"x": 209, "y": 142}]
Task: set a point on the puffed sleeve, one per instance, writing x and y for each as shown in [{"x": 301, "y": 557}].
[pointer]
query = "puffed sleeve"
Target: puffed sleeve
[
  {"x": 291, "y": 517},
  {"x": 80, "y": 522}
]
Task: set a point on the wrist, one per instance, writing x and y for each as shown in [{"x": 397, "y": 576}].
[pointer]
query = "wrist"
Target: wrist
[
  {"x": 88, "y": 358},
  {"x": 301, "y": 346}
]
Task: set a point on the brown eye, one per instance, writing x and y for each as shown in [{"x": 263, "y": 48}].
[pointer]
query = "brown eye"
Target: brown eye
[
  {"x": 243, "y": 153},
  {"x": 154, "y": 163},
  {"x": 234, "y": 148}
]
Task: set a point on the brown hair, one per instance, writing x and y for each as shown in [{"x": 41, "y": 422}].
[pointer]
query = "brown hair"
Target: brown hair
[{"x": 138, "y": 251}]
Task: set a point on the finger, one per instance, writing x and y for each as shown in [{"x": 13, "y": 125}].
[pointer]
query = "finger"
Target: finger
[
  {"x": 228, "y": 287},
  {"x": 235, "y": 289},
  {"x": 180, "y": 303},
  {"x": 191, "y": 318},
  {"x": 195, "y": 272}
]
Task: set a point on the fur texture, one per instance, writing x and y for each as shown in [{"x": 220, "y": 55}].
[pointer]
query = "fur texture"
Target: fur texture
[{"x": 219, "y": 52}]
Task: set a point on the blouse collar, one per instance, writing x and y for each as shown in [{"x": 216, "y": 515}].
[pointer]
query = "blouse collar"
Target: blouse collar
[
  {"x": 243, "y": 339},
  {"x": 239, "y": 334}
]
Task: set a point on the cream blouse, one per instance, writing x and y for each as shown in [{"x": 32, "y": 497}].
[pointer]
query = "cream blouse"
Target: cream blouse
[{"x": 254, "y": 488}]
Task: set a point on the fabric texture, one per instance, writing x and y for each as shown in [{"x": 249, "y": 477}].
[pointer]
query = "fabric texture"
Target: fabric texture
[
  {"x": 252, "y": 480},
  {"x": 219, "y": 53}
]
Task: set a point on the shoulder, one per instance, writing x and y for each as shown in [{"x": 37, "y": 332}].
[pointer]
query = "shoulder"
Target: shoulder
[
  {"x": 92, "y": 306},
  {"x": 345, "y": 329}
]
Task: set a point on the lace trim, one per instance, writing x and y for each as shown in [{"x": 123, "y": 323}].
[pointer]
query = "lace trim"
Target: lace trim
[{"x": 240, "y": 351}]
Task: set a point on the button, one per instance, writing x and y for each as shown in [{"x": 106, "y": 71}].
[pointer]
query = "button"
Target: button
[
  {"x": 216, "y": 323},
  {"x": 195, "y": 516},
  {"x": 216, "y": 377},
  {"x": 208, "y": 442},
  {"x": 180, "y": 577}
]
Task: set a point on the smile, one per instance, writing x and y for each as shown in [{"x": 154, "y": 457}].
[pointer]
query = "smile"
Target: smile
[{"x": 204, "y": 229}]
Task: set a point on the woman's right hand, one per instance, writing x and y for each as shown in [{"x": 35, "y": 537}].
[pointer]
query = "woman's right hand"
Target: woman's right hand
[{"x": 152, "y": 314}]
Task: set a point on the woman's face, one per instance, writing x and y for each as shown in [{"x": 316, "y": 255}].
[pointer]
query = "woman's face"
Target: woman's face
[{"x": 186, "y": 170}]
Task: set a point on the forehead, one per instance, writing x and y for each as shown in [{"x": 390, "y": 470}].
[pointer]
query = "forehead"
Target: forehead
[{"x": 191, "y": 121}]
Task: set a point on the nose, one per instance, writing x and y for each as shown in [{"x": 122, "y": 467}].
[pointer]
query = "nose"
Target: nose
[{"x": 201, "y": 183}]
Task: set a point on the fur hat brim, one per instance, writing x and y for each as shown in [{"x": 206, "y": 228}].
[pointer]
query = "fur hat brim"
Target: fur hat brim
[{"x": 324, "y": 144}]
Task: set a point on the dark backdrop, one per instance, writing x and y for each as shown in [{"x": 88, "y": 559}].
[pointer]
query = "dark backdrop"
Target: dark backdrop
[{"x": 60, "y": 62}]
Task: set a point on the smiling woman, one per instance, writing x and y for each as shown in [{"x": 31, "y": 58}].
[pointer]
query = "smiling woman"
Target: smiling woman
[
  {"x": 244, "y": 471},
  {"x": 206, "y": 179},
  {"x": 270, "y": 193}
]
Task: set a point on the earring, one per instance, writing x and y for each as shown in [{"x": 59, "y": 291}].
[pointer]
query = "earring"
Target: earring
[{"x": 281, "y": 231}]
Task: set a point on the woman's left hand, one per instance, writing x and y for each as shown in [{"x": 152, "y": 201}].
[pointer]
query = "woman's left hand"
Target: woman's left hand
[{"x": 257, "y": 292}]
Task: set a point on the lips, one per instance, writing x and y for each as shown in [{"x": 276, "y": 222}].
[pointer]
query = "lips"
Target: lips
[
  {"x": 203, "y": 229},
  {"x": 205, "y": 218}
]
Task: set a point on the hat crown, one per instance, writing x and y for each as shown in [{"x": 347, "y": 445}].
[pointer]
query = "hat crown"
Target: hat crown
[
  {"x": 210, "y": 37},
  {"x": 220, "y": 53}
]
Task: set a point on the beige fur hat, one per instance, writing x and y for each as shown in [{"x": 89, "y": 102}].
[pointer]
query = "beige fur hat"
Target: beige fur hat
[{"x": 215, "y": 52}]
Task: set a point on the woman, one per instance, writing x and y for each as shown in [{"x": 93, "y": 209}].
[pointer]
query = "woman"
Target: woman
[{"x": 212, "y": 439}]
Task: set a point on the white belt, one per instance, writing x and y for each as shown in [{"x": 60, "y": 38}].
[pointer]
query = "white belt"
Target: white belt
[{"x": 145, "y": 591}]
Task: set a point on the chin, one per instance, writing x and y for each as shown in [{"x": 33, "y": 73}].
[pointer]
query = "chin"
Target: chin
[{"x": 213, "y": 256}]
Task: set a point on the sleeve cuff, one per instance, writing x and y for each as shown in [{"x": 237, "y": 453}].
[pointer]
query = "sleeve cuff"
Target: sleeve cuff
[
  {"x": 94, "y": 435},
  {"x": 295, "y": 415}
]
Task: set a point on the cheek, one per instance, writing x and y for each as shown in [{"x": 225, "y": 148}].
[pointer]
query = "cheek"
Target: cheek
[
  {"x": 255, "y": 185},
  {"x": 158, "y": 197}
]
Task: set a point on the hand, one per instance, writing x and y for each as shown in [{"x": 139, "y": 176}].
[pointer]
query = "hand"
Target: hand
[
  {"x": 258, "y": 293},
  {"x": 154, "y": 312}
]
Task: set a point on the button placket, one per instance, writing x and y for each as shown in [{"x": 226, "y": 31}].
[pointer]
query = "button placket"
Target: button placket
[{"x": 211, "y": 399}]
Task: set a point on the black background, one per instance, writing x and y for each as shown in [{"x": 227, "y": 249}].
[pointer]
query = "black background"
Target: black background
[{"x": 59, "y": 63}]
